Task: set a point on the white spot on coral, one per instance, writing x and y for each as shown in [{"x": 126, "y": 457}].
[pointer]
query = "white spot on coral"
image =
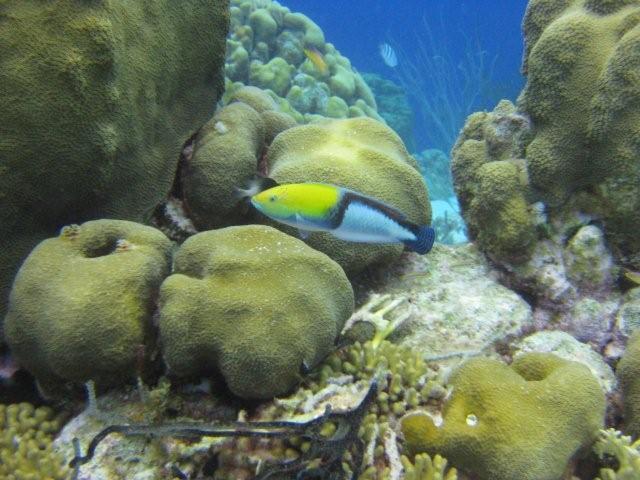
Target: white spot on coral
[
  {"x": 472, "y": 420},
  {"x": 220, "y": 127}
]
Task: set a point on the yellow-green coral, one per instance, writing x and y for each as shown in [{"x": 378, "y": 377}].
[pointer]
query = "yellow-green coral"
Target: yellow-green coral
[
  {"x": 266, "y": 49},
  {"x": 95, "y": 110},
  {"x": 626, "y": 453},
  {"x": 491, "y": 184},
  {"x": 26, "y": 452},
  {"x": 523, "y": 421},
  {"x": 81, "y": 305},
  {"x": 253, "y": 304},
  {"x": 628, "y": 373},
  {"x": 363, "y": 155}
]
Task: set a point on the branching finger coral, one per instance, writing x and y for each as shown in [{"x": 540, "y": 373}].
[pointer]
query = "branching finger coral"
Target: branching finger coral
[{"x": 627, "y": 454}]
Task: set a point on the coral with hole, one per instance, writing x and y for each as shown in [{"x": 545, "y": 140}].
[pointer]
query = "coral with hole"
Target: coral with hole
[
  {"x": 360, "y": 154},
  {"x": 581, "y": 156},
  {"x": 81, "y": 305},
  {"x": 266, "y": 48},
  {"x": 95, "y": 110},
  {"x": 525, "y": 421},
  {"x": 254, "y": 305},
  {"x": 628, "y": 373},
  {"x": 26, "y": 450}
]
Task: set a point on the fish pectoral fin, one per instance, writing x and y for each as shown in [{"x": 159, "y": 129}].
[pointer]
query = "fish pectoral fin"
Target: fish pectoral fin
[{"x": 304, "y": 234}]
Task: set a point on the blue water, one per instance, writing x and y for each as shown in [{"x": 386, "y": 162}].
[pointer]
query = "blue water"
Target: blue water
[{"x": 444, "y": 42}]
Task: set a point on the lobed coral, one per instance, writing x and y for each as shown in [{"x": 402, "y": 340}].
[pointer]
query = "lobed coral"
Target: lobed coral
[
  {"x": 266, "y": 49},
  {"x": 81, "y": 305},
  {"x": 522, "y": 421},
  {"x": 363, "y": 155},
  {"x": 581, "y": 156},
  {"x": 95, "y": 109},
  {"x": 26, "y": 450},
  {"x": 253, "y": 304}
]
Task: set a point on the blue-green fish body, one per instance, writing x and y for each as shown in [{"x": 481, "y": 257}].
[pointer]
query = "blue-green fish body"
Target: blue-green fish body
[{"x": 346, "y": 214}]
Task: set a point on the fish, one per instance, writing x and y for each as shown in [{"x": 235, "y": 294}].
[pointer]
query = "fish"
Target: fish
[
  {"x": 315, "y": 57},
  {"x": 388, "y": 55},
  {"x": 346, "y": 214}
]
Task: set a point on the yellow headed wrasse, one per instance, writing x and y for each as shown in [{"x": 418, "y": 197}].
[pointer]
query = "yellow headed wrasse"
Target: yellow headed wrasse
[
  {"x": 317, "y": 59},
  {"x": 344, "y": 213}
]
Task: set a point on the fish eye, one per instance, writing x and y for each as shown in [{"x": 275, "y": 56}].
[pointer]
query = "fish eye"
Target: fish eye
[{"x": 272, "y": 198}]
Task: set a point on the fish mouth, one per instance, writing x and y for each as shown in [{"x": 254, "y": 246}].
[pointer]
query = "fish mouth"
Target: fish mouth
[{"x": 256, "y": 205}]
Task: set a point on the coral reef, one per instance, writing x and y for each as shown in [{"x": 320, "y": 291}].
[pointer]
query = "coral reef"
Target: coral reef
[
  {"x": 436, "y": 170},
  {"x": 253, "y": 304},
  {"x": 266, "y": 48},
  {"x": 393, "y": 107},
  {"x": 81, "y": 305},
  {"x": 26, "y": 450},
  {"x": 361, "y": 154},
  {"x": 447, "y": 222},
  {"x": 628, "y": 372},
  {"x": 95, "y": 110},
  {"x": 626, "y": 453},
  {"x": 425, "y": 468},
  {"x": 580, "y": 158},
  {"x": 522, "y": 421}
]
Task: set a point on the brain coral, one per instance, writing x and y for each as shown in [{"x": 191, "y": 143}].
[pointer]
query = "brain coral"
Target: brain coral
[
  {"x": 253, "y": 304},
  {"x": 523, "y": 421},
  {"x": 582, "y": 98},
  {"x": 363, "y": 155},
  {"x": 266, "y": 49},
  {"x": 81, "y": 304},
  {"x": 95, "y": 109}
]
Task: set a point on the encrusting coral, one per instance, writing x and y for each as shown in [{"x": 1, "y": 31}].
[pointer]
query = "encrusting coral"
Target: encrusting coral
[
  {"x": 266, "y": 49},
  {"x": 82, "y": 302},
  {"x": 253, "y": 304},
  {"x": 95, "y": 109},
  {"x": 360, "y": 154},
  {"x": 522, "y": 421},
  {"x": 26, "y": 436}
]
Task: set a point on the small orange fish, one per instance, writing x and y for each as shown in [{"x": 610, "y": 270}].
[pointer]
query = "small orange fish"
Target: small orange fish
[{"x": 317, "y": 59}]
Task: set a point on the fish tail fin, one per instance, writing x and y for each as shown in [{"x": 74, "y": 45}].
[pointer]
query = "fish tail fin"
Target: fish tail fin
[
  {"x": 425, "y": 236},
  {"x": 255, "y": 185}
]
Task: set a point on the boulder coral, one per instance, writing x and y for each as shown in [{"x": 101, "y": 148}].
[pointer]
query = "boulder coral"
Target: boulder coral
[
  {"x": 254, "y": 305},
  {"x": 95, "y": 109},
  {"x": 266, "y": 48},
  {"x": 363, "y": 155},
  {"x": 628, "y": 373},
  {"x": 81, "y": 304},
  {"x": 581, "y": 154},
  {"x": 524, "y": 421},
  {"x": 226, "y": 155}
]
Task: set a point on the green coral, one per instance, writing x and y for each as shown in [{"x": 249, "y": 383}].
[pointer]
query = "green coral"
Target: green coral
[
  {"x": 81, "y": 304},
  {"x": 26, "y": 448},
  {"x": 626, "y": 453},
  {"x": 266, "y": 48},
  {"x": 253, "y": 304},
  {"x": 424, "y": 467},
  {"x": 226, "y": 156},
  {"x": 95, "y": 109},
  {"x": 491, "y": 184},
  {"x": 360, "y": 154},
  {"x": 628, "y": 373},
  {"x": 522, "y": 421}
]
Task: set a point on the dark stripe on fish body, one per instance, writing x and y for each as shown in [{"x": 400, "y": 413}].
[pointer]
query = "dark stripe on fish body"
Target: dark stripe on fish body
[{"x": 348, "y": 197}]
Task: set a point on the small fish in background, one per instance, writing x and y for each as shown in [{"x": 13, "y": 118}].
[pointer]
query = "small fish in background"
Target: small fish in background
[
  {"x": 388, "y": 55},
  {"x": 317, "y": 59},
  {"x": 346, "y": 214}
]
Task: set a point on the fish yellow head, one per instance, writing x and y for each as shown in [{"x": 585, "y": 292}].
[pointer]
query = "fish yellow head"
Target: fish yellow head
[{"x": 285, "y": 202}]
